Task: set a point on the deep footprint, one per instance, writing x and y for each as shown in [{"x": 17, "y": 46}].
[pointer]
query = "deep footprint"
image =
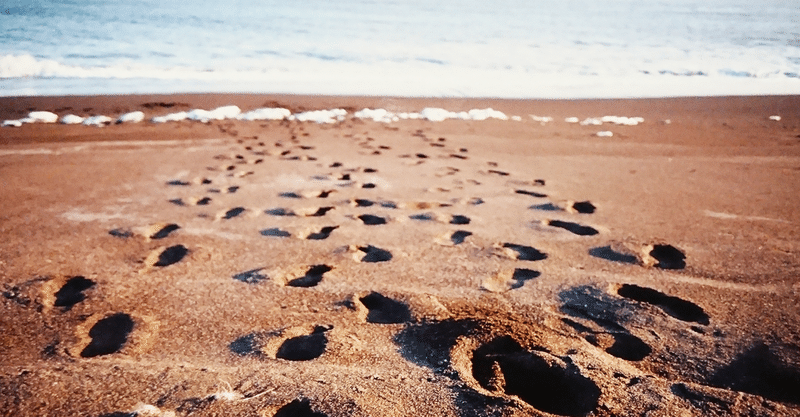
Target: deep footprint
[
  {"x": 171, "y": 255},
  {"x": 542, "y": 380},
  {"x": 252, "y": 276},
  {"x": 298, "y": 408},
  {"x": 668, "y": 257},
  {"x": 384, "y": 310},
  {"x": 459, "y": 219},
  {"x": 574, "y": 228},
  {"x": 624, "y": 345},
  {"x": 373, "y": 254},
  {"x": 372, "y": 220},
  {"x": 305, "y": 347},
  {"x": 71, "y": 292},
  {"x": 674, "y": 306},
  {"x": 234, "y": 212},
  {"x": 583, "y": 207},
  {"x": 526, "y": 253},
  {"x": 459, "y": 235},
  {"x": 108, "y": 335},
  {"x": 311, "y": 278},
  {"x": 323, "y": 234},
  {"x": 608, "y": 253},
  {"x": 275, "y": 232}
]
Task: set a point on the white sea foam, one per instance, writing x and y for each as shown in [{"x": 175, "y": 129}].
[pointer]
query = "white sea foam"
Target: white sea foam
[
  {"x": 265, "y": 114},
  {"x": 605, "y": 134},
  {"x": 172, "y": 117},
  {"x": 320, "y": 116},
  {"x": 12, "y": 123},
  {"x": 775, "y": 118},
  {"x": 541, "y": 119},
  {"x": 132, "y": 117},
  {"x": 220, "y": 113},
  {"x": 98, "y": 121},
  {"x": 72, "y": 119},
  {"x": 40, "y": 117}
]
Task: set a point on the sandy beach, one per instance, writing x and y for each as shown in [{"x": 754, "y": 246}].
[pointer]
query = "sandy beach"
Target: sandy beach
[{"x": 413, "y": 268}]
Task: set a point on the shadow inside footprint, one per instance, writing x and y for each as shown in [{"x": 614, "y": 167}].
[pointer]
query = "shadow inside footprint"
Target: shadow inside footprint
[
  {"x": 609, "y": 254},
  {"x": 458, "y": 236},
  {"x": 311, "y": 278},
  {"x": 171, "y": 255},
  {"x": 275, "y": 232},
  {"x": 384, "y": 310},
  {"x": 305, "y": 347},
  {"x": 178, "y": 182},
  {"x": 574, "y": 227},
  {"x": 372, "y": 220},
  {"x": 252, "y": 276},
  {"x": 523, "y": 274},
  {"x": 530, "y": 193},
  {"x": 298, "y": 408},
  {"x": 280, "y": 211},
  {"x": 320, "y": 212},
  {"x": 108, "y": 335},
  {"x": 422, "y": 216},
  {"x": 459, "y": 219},
  {"x": 360, "y": 202},
  {"x": 542, "y": 380},
  {"x": 525, "y": 253},
  {"x": 668, "y": 257},
  {"x": 373, "y": 254},
  {"x": 674, "y": 306},
  {"x": 164, "y": 231},
  {"x": 546, "y": 207},
  {"x": 583, "y": 207},
  {"x": 233, "y": 213},
  {"x": 323, "y": 234},
  {"x": 119, "y": 232},
  {"x": 624, "y": 346},
  {"x": 71, "y": 292}
]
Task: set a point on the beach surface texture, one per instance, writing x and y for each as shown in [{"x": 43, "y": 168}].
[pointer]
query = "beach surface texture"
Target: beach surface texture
[{"x": 280, "y": 255}]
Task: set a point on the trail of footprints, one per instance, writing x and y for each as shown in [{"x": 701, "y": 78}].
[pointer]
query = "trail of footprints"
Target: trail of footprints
[{"x": 493, "y": 360}]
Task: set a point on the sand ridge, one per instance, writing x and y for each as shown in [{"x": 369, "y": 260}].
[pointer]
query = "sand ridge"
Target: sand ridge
[{"x": 462, "y": 268}]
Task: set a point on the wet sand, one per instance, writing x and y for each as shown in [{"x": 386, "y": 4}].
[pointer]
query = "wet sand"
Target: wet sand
[{"x": 452, "y": 268}]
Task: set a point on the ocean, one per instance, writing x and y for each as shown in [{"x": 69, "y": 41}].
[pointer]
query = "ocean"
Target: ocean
[{"x": 448, "y": 48}]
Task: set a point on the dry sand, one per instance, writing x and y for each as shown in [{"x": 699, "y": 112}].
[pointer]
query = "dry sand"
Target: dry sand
[{"x": 460, "y": 268}]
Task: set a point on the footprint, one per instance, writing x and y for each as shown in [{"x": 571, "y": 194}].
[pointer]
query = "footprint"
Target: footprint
[
  {"x": 121, "y": 233},
  {"x": 304, "y": 347},
  {"x": 368, "y": 185},
  {"x": 294, "y": 344},
  {"x": 509, "y": 280},
  {"x": 108, "y": 335},
  {"x": 546, "y": 207},
  {"x": 280, "y": 211},
  {"x": 203, "y": 201},
  {"x": 546, "y": 382},
  {"x": 615, "y": 252},
  {"x": 497, "y": 172},
  {"x": 323, "y": 234},
  {"x": 298, "y": 408},
  {"x": 275, "y": 232},
  {"x": 674, "y": 306},
  {"x": 531, "y": 193},
  {"x": 770, "y": 372},
  {"x": 457, "y": 156},
  {"x": 385, "y": 310},
  {"x": 160, "y": 230},
  {"x": 166, "y": 256},
  {"x": 253, "y": 276},
  {"x": 178, "y": 182},
  {"x": 524, "y": 253},
  {"x": 177, "y": 202},
  {"x": 458, "y": 236},
  {"x": 312, "y": 277},
  {"x": 234, "y": 212},
  {"x": 620, "y": 344},
  {"x": 664, "y": 256},
  {"x": 232, "y": 189},
  {"x": 574, "y": 228},
  {"x": 359, "y": 202},
  {"x": 583, "y": 207},
  {"x": 372, "y": 220},
  {"x": 316, "y": 213},
  {"x": 459, "y": 219},
  {"x": 71, "y": 292},
  {"x": 373, "y": 254}
]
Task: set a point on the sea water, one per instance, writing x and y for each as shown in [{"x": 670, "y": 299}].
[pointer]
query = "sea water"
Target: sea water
[{"x": 453, "y": 48}]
